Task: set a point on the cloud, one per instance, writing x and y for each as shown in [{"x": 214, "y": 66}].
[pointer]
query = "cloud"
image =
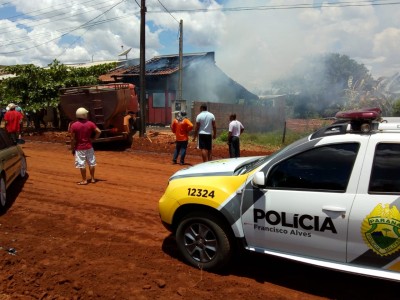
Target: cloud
[
  {"x": 386, "y": 45},
  {"x": 265, "y": 45},
  {"x": 252, "y": 46}
]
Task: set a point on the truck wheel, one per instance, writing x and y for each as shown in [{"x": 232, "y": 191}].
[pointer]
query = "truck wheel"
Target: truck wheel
[
  {"x": 204, "y": 242},
  {"x": 129, "y": 139}
]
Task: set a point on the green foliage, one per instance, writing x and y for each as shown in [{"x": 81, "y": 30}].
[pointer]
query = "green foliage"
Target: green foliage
[
  {"x": 317, "y": 88},
  {"x": 396, "y": 108},
  {"x": 35, "y": 88},
  {"x": 270, "y": 140},
  {"x": 223, "y": 137}
]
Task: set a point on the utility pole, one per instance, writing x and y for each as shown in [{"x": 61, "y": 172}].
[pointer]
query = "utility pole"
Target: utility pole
[
  {"x": 180, "y": 59},
  {"x": 142, "y": 68}
]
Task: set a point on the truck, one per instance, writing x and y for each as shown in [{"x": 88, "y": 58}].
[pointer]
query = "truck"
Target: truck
[{"x": 108, "y": 106}]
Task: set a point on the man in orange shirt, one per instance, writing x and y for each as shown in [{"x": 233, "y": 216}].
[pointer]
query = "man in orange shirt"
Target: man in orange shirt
[{"x": 181, "y": 126}]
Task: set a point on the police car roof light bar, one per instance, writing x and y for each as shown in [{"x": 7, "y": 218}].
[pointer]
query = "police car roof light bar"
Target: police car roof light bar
[
  {"x": 362, "y": 120},
  {"x": 361, "y": 114}
]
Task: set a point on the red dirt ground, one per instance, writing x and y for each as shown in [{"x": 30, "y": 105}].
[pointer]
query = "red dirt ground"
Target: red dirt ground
[{"x": 59, "y": 240}]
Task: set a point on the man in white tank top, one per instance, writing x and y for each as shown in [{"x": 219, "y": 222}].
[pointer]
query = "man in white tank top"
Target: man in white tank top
[{"x": 235, "y": 130}]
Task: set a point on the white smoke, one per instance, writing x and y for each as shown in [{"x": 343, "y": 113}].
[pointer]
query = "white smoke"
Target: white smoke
[{"x": 252, "y": 46}]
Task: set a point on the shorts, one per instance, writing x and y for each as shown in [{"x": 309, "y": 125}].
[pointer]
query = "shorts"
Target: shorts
[
  {"x": 205, "y": 141},
  {"x": 83, "y": 156}
]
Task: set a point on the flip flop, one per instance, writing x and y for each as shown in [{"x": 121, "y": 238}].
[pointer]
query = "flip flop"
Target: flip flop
[{"x": 82, "y": 183}]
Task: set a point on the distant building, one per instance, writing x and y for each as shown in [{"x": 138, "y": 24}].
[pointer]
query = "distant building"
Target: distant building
[
  {"x": 4, "y": 74},
  {"x": 202, "y": 80}
]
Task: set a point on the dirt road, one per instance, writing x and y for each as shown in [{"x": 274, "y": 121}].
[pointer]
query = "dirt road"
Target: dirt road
[{"x": 59, "y": 240}]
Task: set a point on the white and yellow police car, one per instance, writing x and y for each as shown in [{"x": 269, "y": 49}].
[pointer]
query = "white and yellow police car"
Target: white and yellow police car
[{"x": 331, "y": 199}]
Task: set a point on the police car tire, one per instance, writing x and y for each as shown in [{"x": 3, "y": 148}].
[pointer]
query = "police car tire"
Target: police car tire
[
  {"x": 3, "y": 191},
  {"x": 215, "y": 228}
]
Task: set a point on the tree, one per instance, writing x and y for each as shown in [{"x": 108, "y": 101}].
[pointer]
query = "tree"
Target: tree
[
  {"x": 35, "y": 88},
  {"x": 318, "y": 86}
]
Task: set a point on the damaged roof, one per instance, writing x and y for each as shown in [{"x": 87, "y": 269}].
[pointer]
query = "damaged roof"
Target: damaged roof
[{"x": 158, "y": 65}]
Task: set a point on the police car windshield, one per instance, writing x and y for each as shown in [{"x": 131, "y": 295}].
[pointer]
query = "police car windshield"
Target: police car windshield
[
  {"x": 243, "y": 169},
  {"x": 248, "y": 167}
]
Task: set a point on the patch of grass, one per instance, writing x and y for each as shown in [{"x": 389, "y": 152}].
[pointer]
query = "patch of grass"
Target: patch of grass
[{"x": 270, "y": 140}]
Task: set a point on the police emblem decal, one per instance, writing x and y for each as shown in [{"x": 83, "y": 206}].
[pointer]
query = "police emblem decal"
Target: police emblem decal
[{"x": 381, "y": 229}]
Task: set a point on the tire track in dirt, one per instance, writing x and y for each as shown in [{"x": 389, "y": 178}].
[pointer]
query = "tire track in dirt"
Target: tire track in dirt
[{"x": 105, "y": 240}]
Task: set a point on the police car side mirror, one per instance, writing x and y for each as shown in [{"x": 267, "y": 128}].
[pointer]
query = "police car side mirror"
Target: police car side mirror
[{"x": 258, "y": 179}]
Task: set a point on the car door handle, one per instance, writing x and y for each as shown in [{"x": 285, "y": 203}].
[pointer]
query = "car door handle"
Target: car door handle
[{"x": 334, "y": 208}]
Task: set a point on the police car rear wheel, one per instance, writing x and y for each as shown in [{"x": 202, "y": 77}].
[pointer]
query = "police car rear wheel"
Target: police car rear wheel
[{"x": 204, "y": 242}]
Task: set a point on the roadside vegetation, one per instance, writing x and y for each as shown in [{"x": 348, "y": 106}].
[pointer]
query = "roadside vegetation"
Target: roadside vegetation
[
  {"x": 270, "y": 141},
  {"x": 317, "y": 88},
  {"x": 35, "y": 88}
]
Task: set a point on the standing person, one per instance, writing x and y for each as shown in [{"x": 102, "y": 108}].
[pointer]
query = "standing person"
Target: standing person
[
  {"x": 206, "y": 130},
  {"x": 13, "y": 121},
  {"x": 235, "y": 130},
  {"x": 2, "y": 112},
  {"x": 28, "y": 119},
  {"x": 181, "y": 126},
  {"x": 81, "y": 144},
  {"x": 130, "y": 122},
  {"x": 19, "y": 109}
]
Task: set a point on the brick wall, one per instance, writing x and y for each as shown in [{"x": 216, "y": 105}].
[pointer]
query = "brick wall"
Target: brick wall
[
  {"x": 306, "y": 125},
  {"x": 255, "y": 118}
]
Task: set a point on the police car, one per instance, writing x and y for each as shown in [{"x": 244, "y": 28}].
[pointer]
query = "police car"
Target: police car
[{"x": 331, "y": 199}]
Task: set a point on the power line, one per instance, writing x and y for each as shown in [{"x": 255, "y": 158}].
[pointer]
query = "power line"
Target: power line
[
  {"x": 31, "y": 13},
  {"x": 67, "y": 30},
  {"x": 282, "y": 7},
  {"x": 39, "y": 24},
  {"x": 62, "y": 13},
  {"x": 167, "y": 11},
  {"x": 79, "y": 27},
  {"x": 90, "y": 24}
]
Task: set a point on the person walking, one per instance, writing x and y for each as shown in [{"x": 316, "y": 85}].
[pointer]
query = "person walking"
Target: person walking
[
  {"x": 206, "y": 131},
  {"x": 13, "y": 120},
  {"x": 235, "y": 130},
  {"x": 82, "y": 132},
  {"x": 2, "y": 113},
  {"x": 21, "y": 124},
  {"x": 181, "y": 126}
]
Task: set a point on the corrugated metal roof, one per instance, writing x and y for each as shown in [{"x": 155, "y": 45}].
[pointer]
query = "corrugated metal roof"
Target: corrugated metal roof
[{"x": 159, "y": 65}]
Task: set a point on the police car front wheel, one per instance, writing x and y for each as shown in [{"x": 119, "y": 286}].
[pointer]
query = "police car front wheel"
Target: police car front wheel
[{"x": 204, "y": 241}]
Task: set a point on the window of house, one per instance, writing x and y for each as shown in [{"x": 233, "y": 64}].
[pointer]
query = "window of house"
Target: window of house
[
  {"x": 385, "y": 169},
  {"x": 324, "y": 168},
  {"x": 158, "y": 100}
]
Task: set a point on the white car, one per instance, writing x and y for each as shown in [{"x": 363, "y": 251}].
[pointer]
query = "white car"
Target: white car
[{"x": 331, "y": 199}]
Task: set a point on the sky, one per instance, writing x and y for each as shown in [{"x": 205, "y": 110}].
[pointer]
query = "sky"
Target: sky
[{"x": 255, "y": 41}]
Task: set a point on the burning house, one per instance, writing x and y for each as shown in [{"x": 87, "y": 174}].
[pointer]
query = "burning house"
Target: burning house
[{"x": 202, "y": 80}]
